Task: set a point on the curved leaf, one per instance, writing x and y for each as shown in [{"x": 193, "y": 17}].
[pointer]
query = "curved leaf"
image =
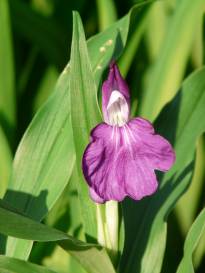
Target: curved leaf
[
  {"x": 11, "y": 265},
  {"x": 192, "y": 239}
]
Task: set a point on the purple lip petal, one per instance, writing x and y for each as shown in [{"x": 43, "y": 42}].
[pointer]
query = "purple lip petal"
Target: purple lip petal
[
  {"x": 114, "y": 82},
  {"x": 155, "y": 147},
  {"x": 123, "y": 154},
  {"x": 120, "y": 161}
]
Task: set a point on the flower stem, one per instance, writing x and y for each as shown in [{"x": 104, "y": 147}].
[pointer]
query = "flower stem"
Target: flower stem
[
  {"x": 100, "y": 225},
  {"x": 108, "y": 225},
  {"x": 112, "y": 228}
]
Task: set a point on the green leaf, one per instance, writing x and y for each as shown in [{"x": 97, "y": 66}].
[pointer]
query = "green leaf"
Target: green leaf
[
  {"x": 107, "y": 13},
  {"x": 46, "y": 87},
  {"x": 156, "y": 27},
  {"x": 192, "y": 239},
  {"x": 85, "y": 114},
  {"x": 5, "y": 162},
  {"x": 19, "y": 226},
  {"x": 176, "y": 122},
  {"x": 136, "y": 30},
  {"x": 7, "y": 91},
  {"x": 12, "y": 265},
  {"x": 92, "y": 257},
  {"x": 109, "y": 44},
  {"x": 186, "y": 210},
  {"x": 43, "y": 162},
  {"x": 168, "y": 71}
]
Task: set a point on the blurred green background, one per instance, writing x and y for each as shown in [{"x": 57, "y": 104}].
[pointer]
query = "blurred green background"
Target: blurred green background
[{"x": 35, "y": 40}]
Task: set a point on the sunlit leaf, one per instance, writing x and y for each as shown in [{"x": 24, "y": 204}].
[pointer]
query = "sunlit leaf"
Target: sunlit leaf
[
  {"x": 43, "y": 162},
  {"x": 85, "y": 114},
  {"x": 107, "y": 13}
]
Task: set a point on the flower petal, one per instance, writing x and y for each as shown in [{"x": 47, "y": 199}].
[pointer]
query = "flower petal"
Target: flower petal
[
  {"x": 120, "y": 161},
  {"x": 156, "y": 149},
  {"x": 115, "y": 82},
  {"x": 98, "y": 167}
]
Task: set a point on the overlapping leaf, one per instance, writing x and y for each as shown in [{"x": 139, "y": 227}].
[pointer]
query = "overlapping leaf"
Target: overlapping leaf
[
  {"x": 92, "y": 257},
  {"x": 11, "y": 265}
]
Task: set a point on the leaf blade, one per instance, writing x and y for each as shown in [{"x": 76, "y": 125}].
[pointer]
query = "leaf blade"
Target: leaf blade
[
  {"x": 12, "y": 265},
  {"x": 7, "y": 89},
  {"x": 83, "y": 95}
]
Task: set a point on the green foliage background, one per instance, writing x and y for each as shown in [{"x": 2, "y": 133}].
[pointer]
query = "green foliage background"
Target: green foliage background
[{"x": 52, "y": 66}]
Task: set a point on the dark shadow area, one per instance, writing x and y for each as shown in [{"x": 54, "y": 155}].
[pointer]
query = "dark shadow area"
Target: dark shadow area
[
  {"x": 26, "y": 95},
  {"x": 25, "y": 204},
  {"x": 8, "y": 130},
  {"x": 166, "y": 123},
  {"x": 201, "y": 267},
  {"x": 174, "y": 245}
]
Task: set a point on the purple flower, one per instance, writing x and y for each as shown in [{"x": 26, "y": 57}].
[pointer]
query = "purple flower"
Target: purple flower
[{"x": 123, "y": 153}]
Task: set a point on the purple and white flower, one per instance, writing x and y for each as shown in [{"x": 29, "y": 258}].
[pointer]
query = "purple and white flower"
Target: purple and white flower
[{"x": 123, "y": 153}]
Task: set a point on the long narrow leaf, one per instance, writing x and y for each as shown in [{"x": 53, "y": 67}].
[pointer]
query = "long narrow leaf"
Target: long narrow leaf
[
  {"x": 192, "y": 239},
  {"x": 84, "y": 112},
  {"x": 107, "y": 13},
  {"x": 7, "y": 94},
  {"x": 5, "y": 162},
  {"x": 11, "y": 265}
]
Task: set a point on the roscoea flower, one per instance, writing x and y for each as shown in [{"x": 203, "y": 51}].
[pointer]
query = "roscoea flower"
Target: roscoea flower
[{"x": 123, "y": 153}]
